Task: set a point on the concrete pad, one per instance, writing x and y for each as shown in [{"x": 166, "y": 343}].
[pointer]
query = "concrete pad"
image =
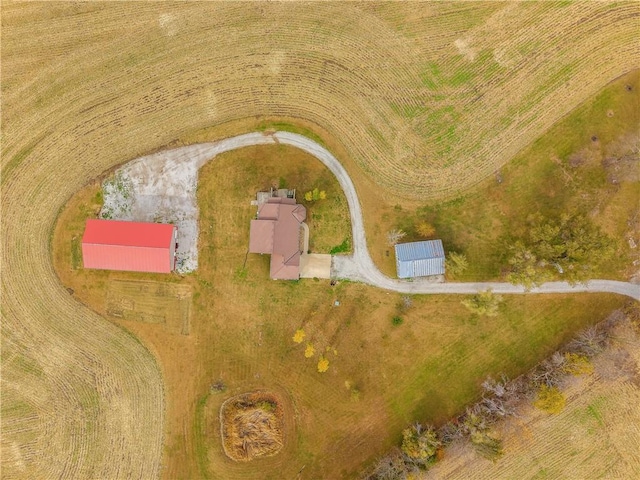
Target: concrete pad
[{"x": 315, "y": 265}]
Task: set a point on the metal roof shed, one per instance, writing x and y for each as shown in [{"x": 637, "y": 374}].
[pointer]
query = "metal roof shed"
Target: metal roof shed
[
  {"x": 420, "y": 259},
  {"x": 129, "y": 246}
]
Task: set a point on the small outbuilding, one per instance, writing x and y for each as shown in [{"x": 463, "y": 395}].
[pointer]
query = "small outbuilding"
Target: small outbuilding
[
  {"x": 420, "y": 259},
  {"x": 129, "y": 246}
]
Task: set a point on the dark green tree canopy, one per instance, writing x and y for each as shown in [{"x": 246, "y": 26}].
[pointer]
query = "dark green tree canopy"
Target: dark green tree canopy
[{"x": 571, "y": 248}]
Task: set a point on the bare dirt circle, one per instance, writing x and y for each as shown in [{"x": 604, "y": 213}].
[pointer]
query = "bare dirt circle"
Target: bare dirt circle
[{"x": 252, "y": 425}]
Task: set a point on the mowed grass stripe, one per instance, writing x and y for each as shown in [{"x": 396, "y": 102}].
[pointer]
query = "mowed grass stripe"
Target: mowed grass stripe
[{"x": 488, "y": 148}]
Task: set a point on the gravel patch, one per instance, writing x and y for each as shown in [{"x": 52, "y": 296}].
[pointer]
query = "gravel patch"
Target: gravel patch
[{"x": 161, "y": 187}]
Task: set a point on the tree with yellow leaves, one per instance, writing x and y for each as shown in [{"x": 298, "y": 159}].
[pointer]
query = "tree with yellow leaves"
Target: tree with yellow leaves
[
  {"x": 310, "y": 351},
  {"x": 577, "y": 364},
  {"x": 315, "y": 195},
  {"x": 550, "y": 399},
  {"x": 425, "y": 229},
  {"x": 298, "y": 337},
  {"x": 323, "y": 364}
]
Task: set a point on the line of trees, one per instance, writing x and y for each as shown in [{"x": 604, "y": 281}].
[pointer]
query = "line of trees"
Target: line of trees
[{"x": 422, "y": 444}]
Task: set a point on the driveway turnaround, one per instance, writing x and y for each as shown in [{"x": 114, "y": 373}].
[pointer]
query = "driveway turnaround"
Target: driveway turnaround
[{"x": 358, "y": 266}]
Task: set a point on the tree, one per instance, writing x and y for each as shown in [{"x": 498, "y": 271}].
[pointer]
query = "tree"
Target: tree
[
  {"x": 394, "y": 236},
  {"x": 425, "y": 229},
  {"x": 298, "y": 337},
  {"x": 323, "y": 364},
  {"x": 524, "y": 266},
  {"x": 549, "y": 372},
  {"x": 488, "y": 446},
  {"x": 590, "y": 341},
  {"x": 571, "y": 246},
  {"x": 550, "y": 399},
  {"x": 577, "y": 364},
  {"x": 420, "y": 443},
  {"x": 456, "y": 263},
  {"x": 451, "y": 431},
  {"x": 310, "y": 351},
  {"x": 390, "y": 467},
  {"x": 474, "y": 421},
  {"x": 475, "y": 425},
  {"x": 484, "y": 303},
  {"x": 315, "y": 195},
  {"x": 501, "y": 398}
]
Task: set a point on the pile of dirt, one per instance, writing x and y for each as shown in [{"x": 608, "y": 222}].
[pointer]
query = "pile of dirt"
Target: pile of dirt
[{"x": 252, "y": 426}]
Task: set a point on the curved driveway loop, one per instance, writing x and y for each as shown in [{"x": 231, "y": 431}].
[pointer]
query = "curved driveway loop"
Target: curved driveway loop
[{"x": 359, "y": 266}]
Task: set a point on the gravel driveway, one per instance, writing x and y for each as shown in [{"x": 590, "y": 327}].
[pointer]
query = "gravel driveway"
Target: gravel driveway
[{"x": 164, "y": 186}]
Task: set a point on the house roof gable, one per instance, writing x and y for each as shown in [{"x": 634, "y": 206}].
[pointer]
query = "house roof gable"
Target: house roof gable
[
  {"x": 276, "y": 231},
  {"x": 261, "y": 236}
]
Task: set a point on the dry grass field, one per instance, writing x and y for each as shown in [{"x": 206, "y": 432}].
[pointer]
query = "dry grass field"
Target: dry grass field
[
  {"x": 420, "y": 102},
  {"x": 597, "y": 435},
  {"x": 426, "y": 100}
]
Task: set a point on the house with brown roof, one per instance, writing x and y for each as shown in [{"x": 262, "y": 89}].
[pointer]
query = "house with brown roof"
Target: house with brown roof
[{"x": 277, "y": 231}]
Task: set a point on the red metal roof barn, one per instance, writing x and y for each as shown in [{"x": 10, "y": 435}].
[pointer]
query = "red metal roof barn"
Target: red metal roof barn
[{"x": 130, "y": 246}]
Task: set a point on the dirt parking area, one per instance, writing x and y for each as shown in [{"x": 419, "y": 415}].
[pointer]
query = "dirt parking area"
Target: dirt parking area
[{"x": 315, "y": 265}]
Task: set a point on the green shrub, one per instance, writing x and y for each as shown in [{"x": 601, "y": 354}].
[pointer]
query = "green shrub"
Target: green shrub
[
  {"x": 344, "y": 247},
  {"x": 484, "y": 303}
]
